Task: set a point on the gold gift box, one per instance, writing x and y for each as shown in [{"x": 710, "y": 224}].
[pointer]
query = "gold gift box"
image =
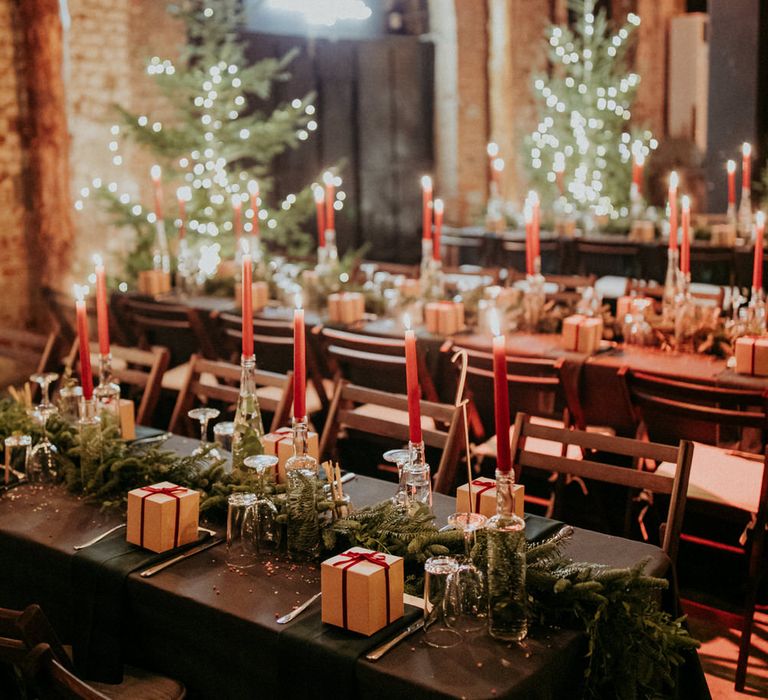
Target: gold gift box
[
  {"x": 169, "y": 519},
  {"x": 444, "y": 317},
  {"x": 259, "y": 295},
  {"x": 346, "y": 307},
  {"x": 752, "y": 356},
  {"x": 484, "y": 497},
  {"x": 280, "y": 443},
  {"x": 582, "y": 333},
  {"x": 127, "y": 419},
  {"x": 154, "y": 282}
]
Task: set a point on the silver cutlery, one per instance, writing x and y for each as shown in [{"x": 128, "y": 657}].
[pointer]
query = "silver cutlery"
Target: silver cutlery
[
  {"x": 297, "y": 611},
  {"x": 379, "y": 651},
  {"x": 152, "y": 570},
  {"x": 98, "y": 538},
  {"x": 348, "y": 477}
]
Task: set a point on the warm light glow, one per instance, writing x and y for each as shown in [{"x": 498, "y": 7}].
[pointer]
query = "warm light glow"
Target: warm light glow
[
  {"x": 731, "y": 167},
  {"x": 319, "y": 194},
  {"x": 407, "y": 321},
  {"x": 81, "y": 291},
  {"x": 558, "y": 164},
  {"x": 155, "y": 172},
  {"x": 299, "y": 301},
  {"x": 426, "y": 183},
  {"x": 686, "y": 203},
  {"x": 493, "y": 149},
  {"x": 253, "y": 187},
  {"x": 533, "y": 197},
  {"x": 328, "y": 177},
  {"x": 498, "y": 164},
  {"x": 98, "y": 261},
  {"x": 639, "y": 158},
  {"x": 674, "y": 180},
  {"x": 184, "y": 194},
  {"x": 494, "y": 322},
  {"x": 236, "y": 203},
  {"x": 760, "y": 220},
  {"x": 746, "y": 150},
  {"x": 528, "y": 212},
  {"x": 438, "y": 206}
]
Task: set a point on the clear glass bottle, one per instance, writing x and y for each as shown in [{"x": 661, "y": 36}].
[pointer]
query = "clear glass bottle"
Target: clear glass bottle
[
  {"x": 301, "y": 472},
  {"x": 671, "y": 284},
  {"x": 745, "y": 214},
  {"x": 249, "y": 428},
  {"x": 507, "y": 618},
  {"x": 107, "y": 396},
  {"x": 161, "y": 255},
  {"x": 756, "y": 314},
  {"x": 416, "y": 481},
  {"x": 89, "y": 429}
]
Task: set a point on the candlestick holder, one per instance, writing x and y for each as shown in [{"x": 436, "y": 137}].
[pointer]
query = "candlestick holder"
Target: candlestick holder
[
  {"x": 249, "y": 429},
  {"x": 161, "y": 256},
  {"x": 187, "y": 278},
  {"x": 417, "y": 479},
  {"x": 107, "y": 395},
  {"x": 671, "y": 286},
  {"x": 685, "y": 311},
  {"x": 301, "y": 472},
  {"x": 756, "y": 313},
  {"x": 89, "y": 430},
  {"x": 745, "y": 214},
  {"x": 535, "y": 297},
  {"x": 731, "y": 214}
]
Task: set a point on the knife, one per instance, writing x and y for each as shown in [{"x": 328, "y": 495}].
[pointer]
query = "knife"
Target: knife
[
  {"x": 297, "y": 611},
  {"x": 152, "y": 570},
  {"x": 379, "y": 651}
]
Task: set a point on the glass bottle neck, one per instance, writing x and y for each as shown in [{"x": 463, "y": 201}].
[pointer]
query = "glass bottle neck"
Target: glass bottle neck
[
  {"x": 417, "y": 454},
  {"x": 505, "y": 504},
  {"x": 247, "y": 375},
  {"x": 300, "y": 436},
  {"x": 105, "y": 369}
]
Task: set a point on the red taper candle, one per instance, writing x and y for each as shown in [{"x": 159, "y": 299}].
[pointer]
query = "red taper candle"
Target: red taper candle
[
  {"x": 86, "y": 376},
  {"x": 330, "y": 196},
  {"x": 685, "y": 250},
  {"x": 438, "y": 209},
  {"x": 637, "y": 171},
  {"x": 155, "y": 172},
  {"x": 731, "y": 168},
  {"x": 757, "y": 269},
  {"x": 237, "y": 208},
  {"x": 102, "y": 310},
  {"x": 319, "y": 195},
  {"x": 426, "y": 207},
  {"x": 536, "y": 237},
  {"x": 412, "y": 383},
  {"x": 501, "y": 398},
  {"x": 672, "y": 195},
  {"x": 253, "y": 188},
  {"x": 299, "y": 366},
  {"x": 247, "y": 306},
  {"x": 528, "y": 213},
  {"x": 746, "y": 166}
]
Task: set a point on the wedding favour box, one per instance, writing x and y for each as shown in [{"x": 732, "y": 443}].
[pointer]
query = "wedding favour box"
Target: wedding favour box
[
  {"x": 444, "y": 317},
  {"x": 154, "y": 282},
  {"x": 582, "y": 333},
  {"x": 409, "y": 288},
  {"x": 362, "y": 590},
  {"x": 162, "y": 516},
  {"x": 723, "y": 235},
  {"x": 642, "y": 232},
  {"x": 259, "y": 295},
  {"x": 752, "y": 355},
  {"x": 484, "y": 497},
  {"x": 280, "y": 444},
  {"x": 346, "y": 307},
  {"x": 127, "y": 419}
]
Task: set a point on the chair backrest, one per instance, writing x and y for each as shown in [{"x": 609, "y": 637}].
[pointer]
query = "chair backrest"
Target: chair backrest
[
  {"x": 594, "y": 444},
  {"x": 607, "y": 257},
  {"x": 139, "y": 373},
  {"x": 176, "y": 327},
  {"x": 707, "y": 294},
  {"x": 32, "y": 627},
  {"x": 32, "y": 351},
  {"x": 513, "y": 253},
  {"x": 47, "y": 678},
  {"x": 219, "y": 382},
  {"x": 377, "y": 419},
  {"x": 673, "y": 409}
]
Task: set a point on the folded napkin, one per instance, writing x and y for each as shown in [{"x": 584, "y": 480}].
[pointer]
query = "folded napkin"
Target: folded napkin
[
  {"x": 539, "y": 528},
  {"x": 99, "y": 573}
]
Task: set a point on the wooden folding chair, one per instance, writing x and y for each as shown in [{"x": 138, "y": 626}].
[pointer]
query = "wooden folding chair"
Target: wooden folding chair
[
  {"x": 216, "y": 381},
  {"x": 377, "y": 413},
  {"x": 675, "y": 486},
  {"x": 139, "y": 373},
  {"x": 27, "y": 353},
  {"x": 31, "y": 627},
  {"x": 672, "y": 409},
  {"x": 47, "y": 678}
]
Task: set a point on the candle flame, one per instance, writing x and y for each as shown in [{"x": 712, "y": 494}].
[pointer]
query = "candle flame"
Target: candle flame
[
  {"x": 236, "y": 203},
  {"x": 319, "y": 194},
  {"x": 533, "y": 198},
  {"x": 299, "y": 301},
  {"x": 498, "y": 164},
  {"x": 426, "y": 183},
  {"x": 494, "y": 322},
  {"x": 686, "y": 202},
  {"x": 731, "y": 167},
  {"x": 407, "y": 321},
  {"x": 674, "y": 180},
  {"x": 328, "y": 177},
  {"x": 439, "y": 206},
  {"x": 184, "y": 194},
  {"x": 558, "y": 164},
  {"x": 746, "y": 149},
  {"x": 640, "y": 159},
  {"x": 245, "y": 247},
  {"x": 98, "y": 261},
  {"x": 493, "y": 149},
  {"x": 80, "y": 291},
  {"x": 155, "y": 172},
  {"x": 528, "y": 212},
  {"x": 760, "y": 219},
  {"x": 253, "y": 187}
]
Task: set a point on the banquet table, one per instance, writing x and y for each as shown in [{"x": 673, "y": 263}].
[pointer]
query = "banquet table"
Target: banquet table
[{"x": 214, "y": 629}]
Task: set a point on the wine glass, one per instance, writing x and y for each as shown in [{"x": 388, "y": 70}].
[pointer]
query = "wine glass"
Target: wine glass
[
  {"x": 468, "y": 582},
  {"x": 369, "y": 270},
  {"x": 223, "y": 433},
  {"x": 204, "y": 415},
  {"x": 400, "y": 457},
  {"x": 268, "y": 533},
  {"x": 42, "y": 460}
]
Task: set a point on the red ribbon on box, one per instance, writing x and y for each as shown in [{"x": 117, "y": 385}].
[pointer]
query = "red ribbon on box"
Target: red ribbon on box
[
  {"x": 487, "y": 486},
  {"x": 353, "y": 558},
  {"x": 165, "y": 491}
]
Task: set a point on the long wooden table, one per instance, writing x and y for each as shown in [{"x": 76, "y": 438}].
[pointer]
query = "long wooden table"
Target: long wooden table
[{"x": 215, "y": 630}]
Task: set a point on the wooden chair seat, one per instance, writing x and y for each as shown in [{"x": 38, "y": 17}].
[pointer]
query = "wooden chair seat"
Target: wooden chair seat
[
  {"x": 392, "y": 415},
  {"x": 174, "y": 378},
  {"x": 138, "y": 683}
]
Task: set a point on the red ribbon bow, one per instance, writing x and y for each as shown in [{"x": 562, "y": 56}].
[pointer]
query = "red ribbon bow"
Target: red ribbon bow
[
  {"x": 486, "y": 486},
  {"x": 172, "y": 491},
  {"x": 353, "y": 558}
]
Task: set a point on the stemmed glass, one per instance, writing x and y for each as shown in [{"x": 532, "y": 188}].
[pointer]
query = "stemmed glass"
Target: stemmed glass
[
  {"x": 468, "y": 582},
  {"x": 268, "y": 532},
  {"x": 399, "y": 457},
  {"x": 204, "y": 415},
  {"x": 369, "y": 270},
  {"x": 42, "y": 461}
]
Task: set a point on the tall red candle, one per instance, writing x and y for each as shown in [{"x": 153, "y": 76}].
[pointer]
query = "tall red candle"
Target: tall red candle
[
  {"x": 558, "y": 167},
  {"x": 247, "y": 306},
  {"x": 86, "y": 376},
  {"x": 438, "y": 208},
  {"x": 757, "y": 270},
  {"x": 155, "y": 174},
  {"x": 673, "y": 183},
  {"x": 182, "y": 195},
  {"x": 637, "y": 171},
  {"x": 426, "y": 208},
  {"x": 731, "y": 168},
  {"x": 412, "y": 383},
  {"x": 746, "y": 167},
  {"x": 237, "y": 207},
  {"x": 320, "y": 208},
  {"x": 685, "y": 251},
  {"x": 330, "y": 196},
  {"x": 253, "y": 188},
  {"x": 528, "y": 213},
  {"x": 299, "y": 366},
  {"x": 102, "y": 311},
  {"x": 501, "y": 399}
]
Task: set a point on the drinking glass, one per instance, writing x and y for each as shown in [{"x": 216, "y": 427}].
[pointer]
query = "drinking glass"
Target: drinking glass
[
  {"x": 11, "y": 443},
  {"x": 69, "y": 402},
  {"x": 223, "y": 433},
  {"x": 42, "y": 464},
  {"x": 399, "y": 457},
  {"x": 204, "y": 415},
  {"x": 369, "y": 270},
  {"x": 241, "y": 530},
  {"x": 467, "y": 583},
  {"x": 440, "y": 605},
  {"x": 268, "y": 533}
]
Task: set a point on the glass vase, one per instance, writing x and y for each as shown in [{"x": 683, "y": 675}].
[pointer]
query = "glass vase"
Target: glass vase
[
  {"x": 534, "y": 299},
  {"x": 671, "y": 284},
  {"x": 507, "y": 619},
  {"x": 107, "y": 396},
  {"x": 685, "y": 312},
  {"x": 249, "y": 428},
  {"x": 416, "y": 482},
  {"x": 89, "y": 429},
  {"x": 301, "y": 473},
  {"x": 161, "y": 255}
]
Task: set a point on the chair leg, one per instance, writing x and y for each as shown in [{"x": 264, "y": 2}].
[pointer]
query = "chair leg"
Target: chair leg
[{"x": 755, "y": 571}]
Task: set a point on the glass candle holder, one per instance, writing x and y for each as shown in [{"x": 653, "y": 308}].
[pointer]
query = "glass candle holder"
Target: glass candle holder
[
  {"x": 89, "y": 429},
  {"x": 249, "y": 428},
  {"x": 301, "y": 471},
  {"x": 107, "y": 395},
  {"x": 417, "y": 479}
]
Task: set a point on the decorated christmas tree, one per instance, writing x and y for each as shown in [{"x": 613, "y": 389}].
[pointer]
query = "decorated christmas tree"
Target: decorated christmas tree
[
  {"x": 215, "y": 151},
  {"x": 580, "y": 154}
]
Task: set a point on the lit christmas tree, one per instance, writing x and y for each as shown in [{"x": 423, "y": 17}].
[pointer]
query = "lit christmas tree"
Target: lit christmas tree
[
  {"x": 579, "y": 156},
  {"x": 218, "y": 146}
]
